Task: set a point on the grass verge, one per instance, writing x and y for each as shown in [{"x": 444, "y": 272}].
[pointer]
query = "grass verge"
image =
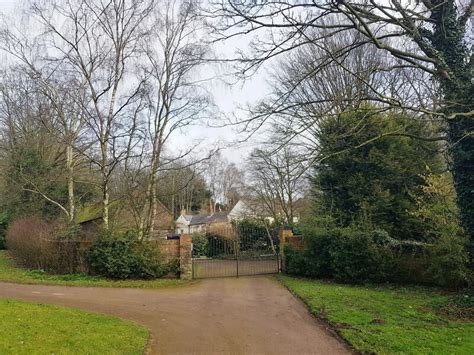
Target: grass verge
[
  {"x": 385, "y": 320},
  {"x": 11, "y": 273},
  {"x": 30, "y": 328}
]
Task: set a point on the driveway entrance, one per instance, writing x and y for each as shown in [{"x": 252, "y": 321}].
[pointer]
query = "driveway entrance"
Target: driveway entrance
[
  {"x": 237, "y": 254},
  {"x": 247, "y": 315}
]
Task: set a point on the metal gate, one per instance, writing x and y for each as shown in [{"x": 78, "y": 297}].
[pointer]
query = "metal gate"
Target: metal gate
[{"x": 235, "y": 253}]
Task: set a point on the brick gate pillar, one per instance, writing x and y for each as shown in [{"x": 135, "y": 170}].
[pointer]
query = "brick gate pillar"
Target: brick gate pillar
[
  {"x": 186, "y": 257},
  {"x": 283, "y": 236}
]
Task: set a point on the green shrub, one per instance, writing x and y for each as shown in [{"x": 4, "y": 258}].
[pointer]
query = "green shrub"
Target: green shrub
[
  {"x": 258, "y": 235},
  {"x": 448, "y": 262},
  {"x": 360, "y": 256},
  {"x": 345, "y": 254},
  {"x": 200, "y": 245},
  {"x": 318, "y": 245},
  {"x": 4, "y": 219},
  {"x": 411, "y": 268},
  {"x": 125, "y": 257},
  {"x": 315, "y": 259},
  {"x": 173, "y": 267},
  {"x": 355, "y": 256},
  {"x": 296, "y": 262}
]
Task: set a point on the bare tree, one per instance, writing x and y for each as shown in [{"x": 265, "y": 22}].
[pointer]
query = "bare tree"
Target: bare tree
[
  {"x": 97, "y": 41},
  {"x": 122, "y": 78},
  {"x": 214, "y": 174},
  {"x": 431, "y": 37},
  {"x": 276, "y": 180},
  {"x": 69, "y": 117},
  {"x": 183, "y": 187},
  {"x": 305, "y": 93},
  {"x": 224, "y": 180},
  {"x": 175, "y": 96},
  {"x": 232, "y": 185}
]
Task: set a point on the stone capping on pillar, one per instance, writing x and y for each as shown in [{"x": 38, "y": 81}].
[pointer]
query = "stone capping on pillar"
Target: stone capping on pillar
[{"x": 186, "y": 257}]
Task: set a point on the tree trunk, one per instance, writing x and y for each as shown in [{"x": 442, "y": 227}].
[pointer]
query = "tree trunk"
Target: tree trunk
[
  {"x": 105, "y": 205},
  {"x": 173, "y": 196},
  {"x": 460, "y": 130},
  {"x": 70, "y": 182},
  {"x": 269, "y": 235},
  {"x": 146, "y": 205},
  {"x": 154, "y": 208},
  {"x": 105, "y": 186},
  {"x": 150, "y": 206},
  {"x": 455, "y": 76}
]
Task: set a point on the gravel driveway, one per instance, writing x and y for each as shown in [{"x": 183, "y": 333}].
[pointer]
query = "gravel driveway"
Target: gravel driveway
[{"x": 247, "y": 315}]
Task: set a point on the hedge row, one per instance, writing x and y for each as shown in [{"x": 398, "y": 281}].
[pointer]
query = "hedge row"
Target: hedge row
[
  {"x": 37, "y": 244},
  {"x": 355, "y": 256}
]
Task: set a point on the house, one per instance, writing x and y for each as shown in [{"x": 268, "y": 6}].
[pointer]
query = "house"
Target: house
[
  {"x": 248, "y": 209},
  {"x": 200, "y": 223},
  {"x": 242, "y": 209},
  {"x": 121, "y": 217},
  {"x": 221, "y": 222},
  {"x": 252, "y": 209}
]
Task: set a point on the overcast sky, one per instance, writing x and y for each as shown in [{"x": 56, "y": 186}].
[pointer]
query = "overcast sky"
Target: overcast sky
[{"x": 226, "y": 97}]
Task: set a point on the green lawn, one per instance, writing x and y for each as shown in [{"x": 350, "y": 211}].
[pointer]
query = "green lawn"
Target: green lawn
[
  {"x": 386, "y": 320},
  {"x": 29, "y": 328},
  {"x": 10, "y": 273}
]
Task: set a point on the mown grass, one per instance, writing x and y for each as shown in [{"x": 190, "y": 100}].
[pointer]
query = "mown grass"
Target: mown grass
[
  {"x": 29, "y": 328},
  {"x": 386, "y": 320},
  {"x": 11, "y": 273}
]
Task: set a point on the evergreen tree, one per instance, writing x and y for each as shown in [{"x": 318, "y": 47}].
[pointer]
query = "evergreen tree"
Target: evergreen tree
[{"x": 372, "y": 171}]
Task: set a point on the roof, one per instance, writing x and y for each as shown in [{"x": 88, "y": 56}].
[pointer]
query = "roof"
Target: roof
[
  {"x": 196, "y": 219},
  {"x": 249, "y": 208},
  {"x": 94, "y": 211},
  {"x": 219, "y": 217}
]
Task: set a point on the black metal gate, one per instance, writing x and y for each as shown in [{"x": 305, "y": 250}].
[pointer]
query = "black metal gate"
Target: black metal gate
[{"x": 235, "y": 252}]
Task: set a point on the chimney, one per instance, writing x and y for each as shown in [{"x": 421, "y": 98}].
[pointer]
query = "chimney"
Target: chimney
[{"x": 183, "y": 212}]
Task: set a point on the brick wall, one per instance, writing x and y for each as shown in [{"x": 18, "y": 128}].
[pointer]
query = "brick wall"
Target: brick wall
[
  {"x": 288, "y": 239},
  {"x": 178, "y": 250},
  {"x": 169, "y": 249}
]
